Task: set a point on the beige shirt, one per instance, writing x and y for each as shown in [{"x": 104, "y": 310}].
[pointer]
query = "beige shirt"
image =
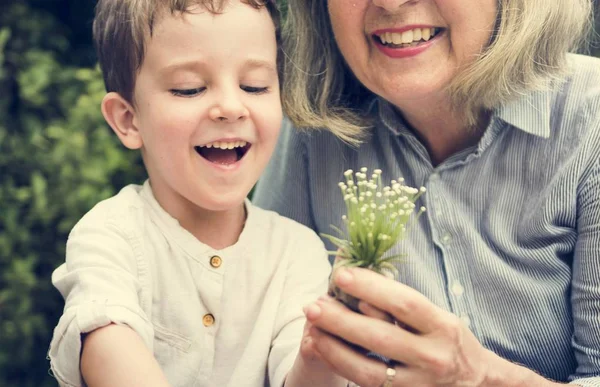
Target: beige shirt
[{"x": 230, "y": 317}]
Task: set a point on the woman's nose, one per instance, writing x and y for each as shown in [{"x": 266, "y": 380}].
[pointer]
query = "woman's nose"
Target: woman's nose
[
  {"x": 228, "y": 107},
  {"x": 391, "y": 5}
]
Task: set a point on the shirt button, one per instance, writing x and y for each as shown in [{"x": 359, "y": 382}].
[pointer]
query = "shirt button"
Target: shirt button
[
  {"x": 434, "y": 176},
  {"x": 208, "y": 320},
  {"x": 446, "y": 238},
  {"x": 457, "y": 288},
  {"x": 216, "y": 261}
]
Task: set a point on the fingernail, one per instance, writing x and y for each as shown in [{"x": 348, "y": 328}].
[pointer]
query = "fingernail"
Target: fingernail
[
  {"x": 343, "y": 277},
  {"x": 312, "y": 311}
]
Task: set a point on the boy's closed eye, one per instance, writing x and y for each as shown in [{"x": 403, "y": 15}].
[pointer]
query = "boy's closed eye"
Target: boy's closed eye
[
  {"x": 199, "y": 90},
  {"x": 187, "y": 92},
  {"x": 254, "y": 90}
]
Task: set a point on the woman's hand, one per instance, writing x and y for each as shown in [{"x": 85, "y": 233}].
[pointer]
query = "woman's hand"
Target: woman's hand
[
  {"x": 309, "y": 369},
  {"x": 430, "y": 346}
]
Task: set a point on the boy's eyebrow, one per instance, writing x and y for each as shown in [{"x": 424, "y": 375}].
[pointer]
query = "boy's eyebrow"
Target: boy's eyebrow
[
  {"x": 196, "y": 65},
  {"x": 260, "y": 63},
  {"x": 188, "y": 65}
]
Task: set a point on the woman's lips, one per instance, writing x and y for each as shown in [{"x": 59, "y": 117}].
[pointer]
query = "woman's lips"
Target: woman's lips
[{"x": 390, "y": 44}]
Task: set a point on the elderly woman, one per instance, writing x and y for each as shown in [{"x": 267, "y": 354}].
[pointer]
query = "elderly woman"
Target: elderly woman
[{"x": 479, "y": 102}]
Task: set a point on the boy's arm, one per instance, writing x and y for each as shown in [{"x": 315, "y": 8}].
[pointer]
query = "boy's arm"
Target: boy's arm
[
  {"x": 307, "y": 278},
  {"x": 103, "y": 281},
  {"x": 115, "y": 356},
  {"x": 310, "y": 371}
]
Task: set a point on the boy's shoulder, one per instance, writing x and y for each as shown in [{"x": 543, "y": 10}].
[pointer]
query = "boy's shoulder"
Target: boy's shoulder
[
  {"x": 282, "y": 227},
  {"x": 117, "y": 209}
]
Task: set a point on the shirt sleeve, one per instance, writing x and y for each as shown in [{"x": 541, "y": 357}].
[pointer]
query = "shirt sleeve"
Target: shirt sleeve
[
  {"x": 585, "y": 286},
  {"x": 307, "y": 278},
  {"x": 100, "y": 284},
  {"x": 285, "y": 181}
]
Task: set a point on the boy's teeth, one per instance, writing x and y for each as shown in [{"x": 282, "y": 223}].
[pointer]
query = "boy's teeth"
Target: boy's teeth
[
  {"x": 226, "y": 145},
  {"x": 407, "y": 37}
]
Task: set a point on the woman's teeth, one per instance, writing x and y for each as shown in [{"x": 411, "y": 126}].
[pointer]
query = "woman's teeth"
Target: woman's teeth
[{"x": 408, "y": 38}]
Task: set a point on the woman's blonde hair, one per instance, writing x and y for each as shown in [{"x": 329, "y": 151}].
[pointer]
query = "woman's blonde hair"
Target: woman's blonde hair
[
  {"x": 527, "y": 49},
  {"x": 121, "y": 26}
]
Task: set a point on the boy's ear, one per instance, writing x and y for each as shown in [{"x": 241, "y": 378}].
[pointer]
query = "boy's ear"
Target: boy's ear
[{"x": 120, "y": 116}]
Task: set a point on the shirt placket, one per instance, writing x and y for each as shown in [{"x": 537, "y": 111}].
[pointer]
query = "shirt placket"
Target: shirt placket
[
  {"x": 210, "y": 288},
  {"x": 446, "y": 239}
]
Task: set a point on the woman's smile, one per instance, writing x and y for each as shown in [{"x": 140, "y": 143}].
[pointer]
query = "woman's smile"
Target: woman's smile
[
  {"x": 406, "y": 42},
  {"x": 409, "y": 53}
]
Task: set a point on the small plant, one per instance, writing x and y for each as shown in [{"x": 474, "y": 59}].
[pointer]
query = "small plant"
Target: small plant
[{"x": 377, "y": 217}]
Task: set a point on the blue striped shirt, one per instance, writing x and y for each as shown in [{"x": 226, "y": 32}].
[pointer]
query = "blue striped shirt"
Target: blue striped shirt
[{"x": 510, "y": 241}]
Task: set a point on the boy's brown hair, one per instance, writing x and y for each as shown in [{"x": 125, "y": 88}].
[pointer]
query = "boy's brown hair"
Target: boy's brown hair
[{"x": 120, "y": 28}]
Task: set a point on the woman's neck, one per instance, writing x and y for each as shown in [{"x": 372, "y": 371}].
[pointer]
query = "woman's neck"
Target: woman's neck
[{"x": 442, "y": 130}]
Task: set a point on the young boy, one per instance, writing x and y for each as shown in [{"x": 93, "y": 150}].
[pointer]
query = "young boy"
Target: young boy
[{"x": 182, "y": 281}]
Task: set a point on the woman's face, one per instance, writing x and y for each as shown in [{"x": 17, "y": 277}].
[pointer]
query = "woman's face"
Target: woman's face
[{"x": 408, "y": 51}]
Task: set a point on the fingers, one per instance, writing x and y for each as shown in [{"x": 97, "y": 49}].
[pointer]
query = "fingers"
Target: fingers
[
  {"x": 372, "y": 334},
  {"x": 338, "y": 259},
  {"x": 307, "y": 347},
  {"x": 371, "y": 311},
  {"x": 308, "y": 350},
  {"x": 405, "y": 304},
  {"x": 348, "y": 362},
  {"x": 353, "y": 365}
]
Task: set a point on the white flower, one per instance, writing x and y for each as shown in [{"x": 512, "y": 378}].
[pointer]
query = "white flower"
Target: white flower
[{"x": 376, "y": 214}]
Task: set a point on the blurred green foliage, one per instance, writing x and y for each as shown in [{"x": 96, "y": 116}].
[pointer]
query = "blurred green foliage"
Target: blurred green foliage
[{"x": 57, "y": 159}]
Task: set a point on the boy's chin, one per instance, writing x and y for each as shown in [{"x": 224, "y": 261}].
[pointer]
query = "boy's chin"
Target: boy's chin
[{"x": 222, "y": 204}]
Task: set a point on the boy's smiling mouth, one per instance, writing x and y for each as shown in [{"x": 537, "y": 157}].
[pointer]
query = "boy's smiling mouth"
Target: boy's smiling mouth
[{"x": 223, "y": 152}]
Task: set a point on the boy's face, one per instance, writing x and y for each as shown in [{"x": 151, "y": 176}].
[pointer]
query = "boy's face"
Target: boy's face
[{"x": 208, "y": 107}]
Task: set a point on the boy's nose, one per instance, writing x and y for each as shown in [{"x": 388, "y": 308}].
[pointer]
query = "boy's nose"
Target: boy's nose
[{"x": 228, "y": 108}]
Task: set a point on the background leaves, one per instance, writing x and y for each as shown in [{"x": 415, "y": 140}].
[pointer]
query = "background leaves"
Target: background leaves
[{"x": 57, "y": 159}]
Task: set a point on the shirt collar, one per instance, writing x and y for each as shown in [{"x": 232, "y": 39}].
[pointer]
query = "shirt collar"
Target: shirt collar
[
  {"x": 176, "y": 233},
  {"x": 529, "y": 113}
]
